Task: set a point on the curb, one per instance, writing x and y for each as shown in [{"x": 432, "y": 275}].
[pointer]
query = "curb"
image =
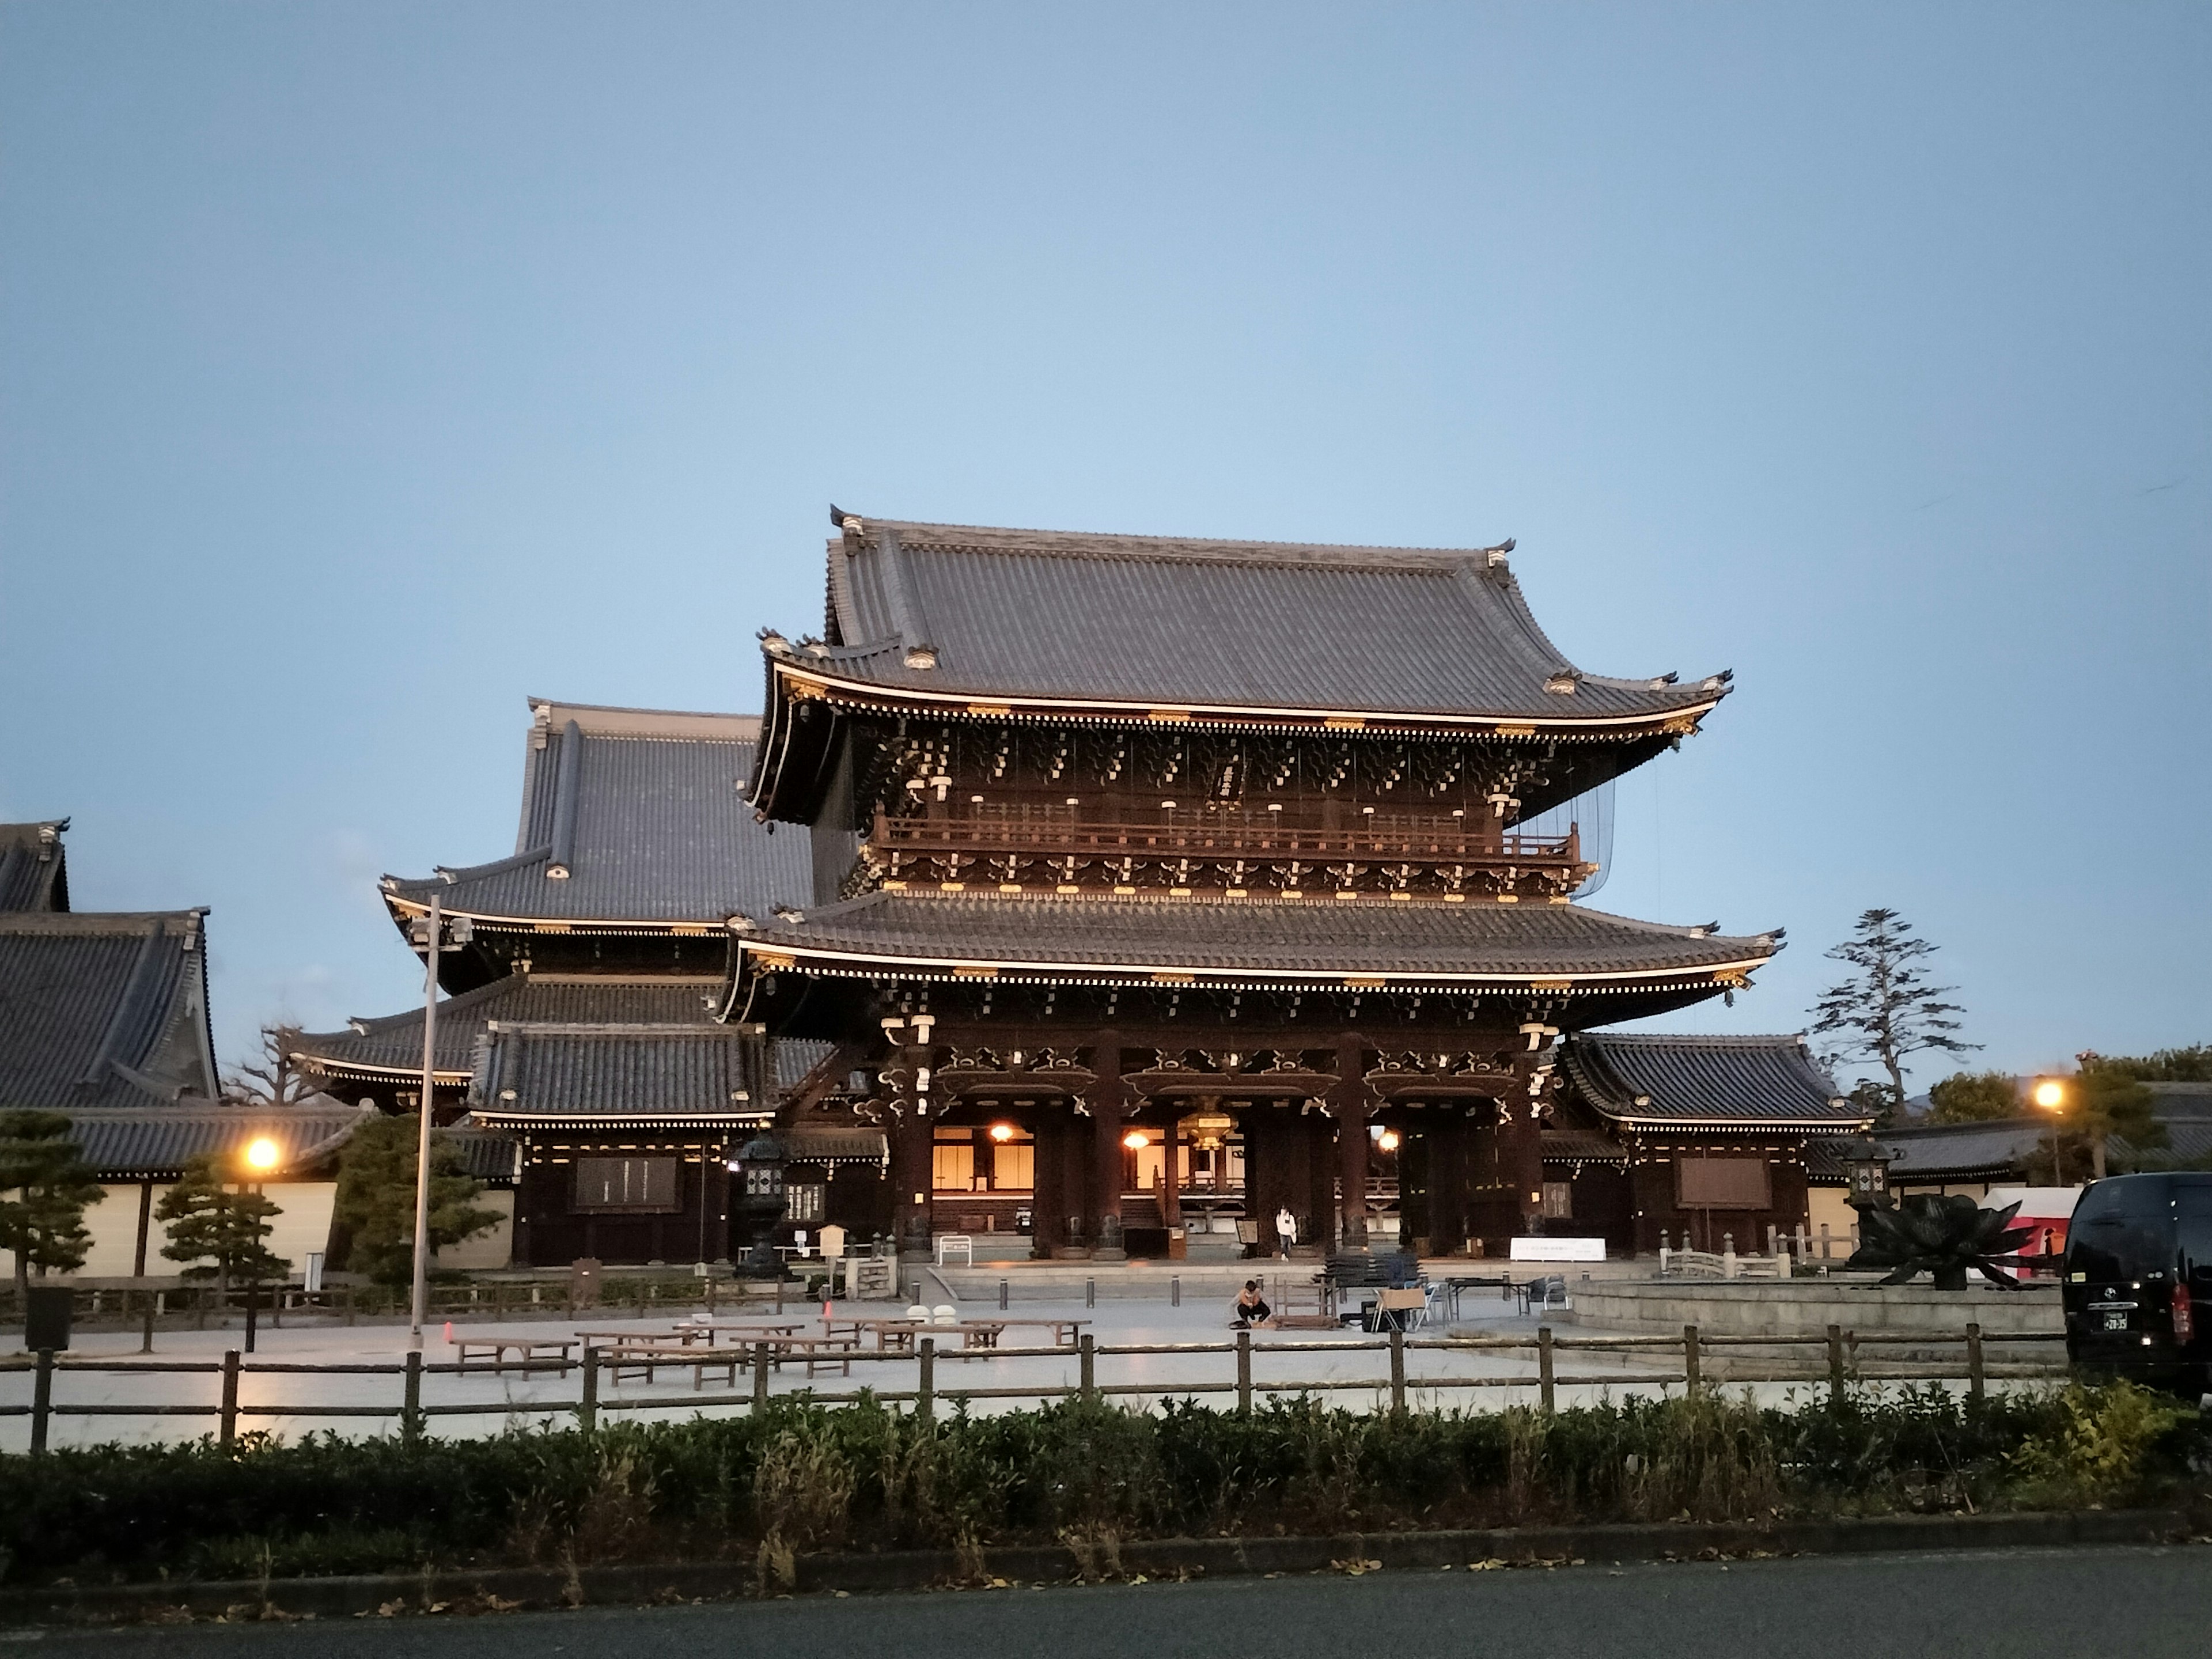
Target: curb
[{"x": 509, "y": 1588}]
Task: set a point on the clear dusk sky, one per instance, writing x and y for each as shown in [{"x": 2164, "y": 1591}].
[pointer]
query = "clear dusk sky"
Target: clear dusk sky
[{"x": 367, "y": 367}]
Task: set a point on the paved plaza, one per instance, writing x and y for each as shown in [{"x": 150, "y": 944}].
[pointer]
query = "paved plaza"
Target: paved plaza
[{"x": 512, "y": 1399}]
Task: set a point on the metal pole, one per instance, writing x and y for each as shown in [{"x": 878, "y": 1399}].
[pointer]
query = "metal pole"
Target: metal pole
[
  {"x": 437, "y": 922},
  {"x": 1974, "y": 1375},
  {"x": 227, "y": 1420},
  {"x": 925, "y": 1389},
  {"x": 252, "y": 1311},
  {"x": 1002, "y": 1296},
  {"x": 1244, "y": 1370},
  {"x": 42, "y": 1400},
  {"x": 1689, "y": 1361},
  {"x": 1090, "y": 1292},
  {"x": 1544, "y": 1367},
  {"x": 1174, "y": 1292}
]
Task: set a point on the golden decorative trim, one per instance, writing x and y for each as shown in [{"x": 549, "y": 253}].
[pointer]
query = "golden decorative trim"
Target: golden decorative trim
[
  {"x": 1345, "y": 723},
  {"x": 1515, "y": 729},
  {"x": 993, "y": 710},
  {"x": 1170, "y": 714},
  {"x": 772, "y": 962}
]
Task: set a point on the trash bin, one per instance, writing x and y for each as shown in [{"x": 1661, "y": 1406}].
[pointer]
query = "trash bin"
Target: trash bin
[{"x": 47, "y": 1318}]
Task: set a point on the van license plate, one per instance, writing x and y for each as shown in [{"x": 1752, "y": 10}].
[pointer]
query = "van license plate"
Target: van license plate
[{"x": 2116, "y": 1321}]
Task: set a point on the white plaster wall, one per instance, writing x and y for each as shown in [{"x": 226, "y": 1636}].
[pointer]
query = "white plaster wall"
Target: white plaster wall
[
  {"x": 490, "y": 1250},
  {"x": 302, "y": 1224}
]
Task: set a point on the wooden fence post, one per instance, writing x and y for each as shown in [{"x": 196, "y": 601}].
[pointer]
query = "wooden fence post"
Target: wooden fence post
[
  {"x": 227, "y": 1420},
  {"x": 410, "y": 1413},
  {"x": 1086, "y": 1350},
  {"x": 1974, "y": 1373},
  {"x": 1544, "y": 1368},
  {"x": 42, "y": 1400},
  {"x": 1689, "y": 1362},
  {"x": 588, "y": 1409},
  {"x": 146, "y": 1333},
  {"x": 760, "y": 1376},
  {"x": 1244, "y": 1372},
  {"x": 1835, "y": 1365},
  {"x": 926, "y": 1388}
]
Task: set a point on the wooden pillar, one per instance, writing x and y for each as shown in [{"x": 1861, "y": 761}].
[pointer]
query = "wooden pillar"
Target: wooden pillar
[
  {"x": 1047, "y": 1197},
  {"x": 1317, "y": 1142},
  {"x": 1349, "y": 1106},
  {"x": 145, "y": 1225},
  {"x": 1170, "y": 1174},
  {"x": 1447, "y": 1139},
  {"x": 1108, "y": 1096}
]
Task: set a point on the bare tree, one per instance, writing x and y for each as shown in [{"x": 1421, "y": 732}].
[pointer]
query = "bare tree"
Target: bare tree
[
  {"x": 275, "y": 1079},
  {"x": 1887, "y": 1011}
]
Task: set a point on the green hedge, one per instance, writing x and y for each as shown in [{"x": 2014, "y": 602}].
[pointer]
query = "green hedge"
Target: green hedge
[{"x": 800, "y": 1477}]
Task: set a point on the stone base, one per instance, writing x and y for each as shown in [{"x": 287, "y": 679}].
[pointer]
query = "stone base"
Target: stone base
[{"x": 1806, "y": 1307}]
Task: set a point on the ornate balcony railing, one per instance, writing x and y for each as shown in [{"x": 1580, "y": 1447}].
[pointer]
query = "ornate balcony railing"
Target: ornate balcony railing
[{"x": 1404, "y": 837}]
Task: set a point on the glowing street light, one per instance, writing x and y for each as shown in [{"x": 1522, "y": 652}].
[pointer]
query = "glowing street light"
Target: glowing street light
[
  {"x": 2050, "y": 1093},
  {"x": 261, "y": 1153},
  {"x": 1134, "y": 1140}
]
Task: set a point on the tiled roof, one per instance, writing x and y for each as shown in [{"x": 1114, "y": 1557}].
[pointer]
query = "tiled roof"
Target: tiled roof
[
  {"x": 1642, "y": 1077},
  {"x": 1151, "y": 619},
  {"x": 392, "y": 1045},
  {"x": 1963, "y": 1151},
  {"x": 642, "y": 811},
  {"x": 154, "y": 1143},
  {"x": 793, "y": 1058},
  {"x": 834, "y": 1146},
  {"x": 486, "y": 1154},
  {"x": 1291, "y": 939},
  {"x": 539, "y": 1072},
  {"x": 1581, "y": 1147},
  {"x": 34, "y": 866},
  {"x": 103, "y": 1008}
]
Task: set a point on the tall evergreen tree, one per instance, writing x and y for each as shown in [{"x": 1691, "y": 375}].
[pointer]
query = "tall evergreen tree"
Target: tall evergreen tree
[
  {"x": 213, "y": 1220},
  {"x": 1887, "y": 1011},
  {"x": 375, "y": 1205},
  {"x": 1975, "y": 1097},
  {"x": 44, "y": 1186}
]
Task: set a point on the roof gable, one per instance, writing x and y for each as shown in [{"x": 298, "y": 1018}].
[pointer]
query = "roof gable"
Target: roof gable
[
  {"x": 630, "y": 815},
  {"x": 100, "y": 1008},
  {"x": 34, "y": 866}
]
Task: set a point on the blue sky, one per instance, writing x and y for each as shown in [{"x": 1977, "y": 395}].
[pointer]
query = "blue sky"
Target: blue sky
[{"x": 364, "y": 369}]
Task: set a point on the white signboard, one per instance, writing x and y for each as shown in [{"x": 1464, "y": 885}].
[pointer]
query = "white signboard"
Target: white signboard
[{"x": 1548, "y": 1248}]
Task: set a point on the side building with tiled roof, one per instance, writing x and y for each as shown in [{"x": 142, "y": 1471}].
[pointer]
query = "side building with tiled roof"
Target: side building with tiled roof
[
  {"x": 1161, "y": 885},
  {"x": 1713, "y": 1138},
  {"x": 580, "y": 1033}
]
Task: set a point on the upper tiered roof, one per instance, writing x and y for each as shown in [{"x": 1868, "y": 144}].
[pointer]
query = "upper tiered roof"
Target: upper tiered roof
[
  {"x": 631, "y": 819},
  {"x": 1213, "y": 628}
]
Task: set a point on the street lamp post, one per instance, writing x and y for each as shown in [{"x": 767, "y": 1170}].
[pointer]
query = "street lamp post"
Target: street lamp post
[
  {"x": 433, "y": 936},
  {"x": 260, "y": 1157}
]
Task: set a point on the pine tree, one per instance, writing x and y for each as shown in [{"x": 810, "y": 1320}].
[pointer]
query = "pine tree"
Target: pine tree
[
  {"x": 375, "y": 1204},
  {"x": 1975, "y": 1097},
  {"x": 43, "y": 1222},
  {"x": 212, "y": 1220},
  {"x": 1887, "y": 1011}
]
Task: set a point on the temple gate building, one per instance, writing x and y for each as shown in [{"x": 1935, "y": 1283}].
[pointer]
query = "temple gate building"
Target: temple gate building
[{"x": 1144, "y": 868}]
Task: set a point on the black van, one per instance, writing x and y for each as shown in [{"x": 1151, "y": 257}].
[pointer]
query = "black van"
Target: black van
[{"x": 2138, "y": 1286}]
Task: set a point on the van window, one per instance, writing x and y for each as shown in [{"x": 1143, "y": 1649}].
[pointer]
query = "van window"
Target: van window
[
  {"x": 2192, "y": 1216},
  {"x": 2122, "y": 1231}
]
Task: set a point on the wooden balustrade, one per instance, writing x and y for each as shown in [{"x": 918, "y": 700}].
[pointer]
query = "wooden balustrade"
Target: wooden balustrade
[{"x": 1212, "y": 836}]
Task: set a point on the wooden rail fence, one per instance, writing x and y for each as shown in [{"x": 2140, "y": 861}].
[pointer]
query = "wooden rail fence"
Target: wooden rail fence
[{"x": 1841, "y": 1349}]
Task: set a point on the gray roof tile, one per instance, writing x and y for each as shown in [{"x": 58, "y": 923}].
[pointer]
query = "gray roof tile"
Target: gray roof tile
[
  {"x": 1154, "y": 619},
  {"x": 1646, "y": 1077},
  {"x": 392, "y": 1045},
  {"x": 34, "y": 866},
  {"x": 1310, "y": 937},
  {"x": 652, "y": 829},
  {"x": 154, "y": 1143},
  {"x": 103, "y": 1008},
  {"x": 542, "y": 1071}
]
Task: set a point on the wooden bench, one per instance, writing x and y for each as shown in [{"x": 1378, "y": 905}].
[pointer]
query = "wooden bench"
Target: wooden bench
[{"x": 526, "y": 1348}]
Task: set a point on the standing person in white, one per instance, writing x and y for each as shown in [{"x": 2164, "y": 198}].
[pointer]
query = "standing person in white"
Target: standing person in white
[{"x": 1286, "y": 1230}]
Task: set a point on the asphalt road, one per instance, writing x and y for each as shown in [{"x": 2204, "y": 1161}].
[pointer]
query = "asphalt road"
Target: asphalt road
[{"x": 2115, "y": 1603}]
